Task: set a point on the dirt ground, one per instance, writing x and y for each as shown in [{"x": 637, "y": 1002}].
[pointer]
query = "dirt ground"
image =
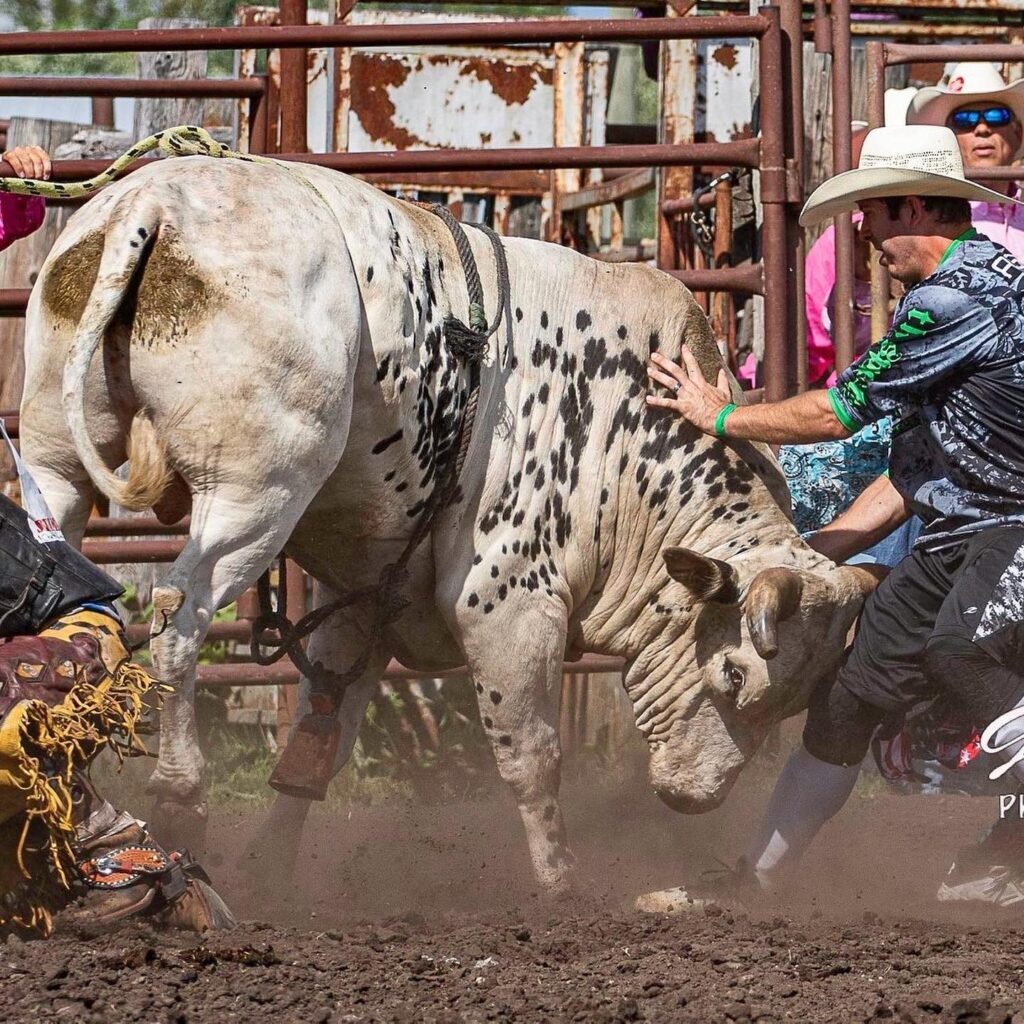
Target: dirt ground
[{"x": 428, "y": 913}]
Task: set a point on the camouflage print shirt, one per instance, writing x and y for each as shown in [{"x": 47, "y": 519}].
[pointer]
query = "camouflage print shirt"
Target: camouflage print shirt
[{"x": 951, "y": 374}]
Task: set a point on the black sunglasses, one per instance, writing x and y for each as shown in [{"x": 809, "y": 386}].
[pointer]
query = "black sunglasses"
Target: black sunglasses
[{"x": 994, "y": 117}]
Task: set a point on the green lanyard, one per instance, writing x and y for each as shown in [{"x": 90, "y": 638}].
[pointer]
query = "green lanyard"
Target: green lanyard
[{"x": 966, "y": 236}]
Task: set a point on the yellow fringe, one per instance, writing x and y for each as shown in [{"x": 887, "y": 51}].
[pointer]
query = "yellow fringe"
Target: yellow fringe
[{"x": 52, "y": 742}]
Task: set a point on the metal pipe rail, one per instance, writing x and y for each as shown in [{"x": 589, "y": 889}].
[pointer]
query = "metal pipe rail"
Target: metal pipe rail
[
  {"x": 743, "y": 153},
  {"x": 304, "y": 36},
  {"x": 206, "y": 88},
  {"x": 284, "y": 672}
]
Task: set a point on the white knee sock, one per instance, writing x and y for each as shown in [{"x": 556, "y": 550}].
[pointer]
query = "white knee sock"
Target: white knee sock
[{"x": 806, "y": 795}]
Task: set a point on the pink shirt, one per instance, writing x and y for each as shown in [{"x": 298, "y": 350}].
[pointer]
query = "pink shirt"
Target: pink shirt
[
  {"x": 1003, "y": 223},
  {"x": 19, "y": 216},
  {"x": 819, "y": 308}
]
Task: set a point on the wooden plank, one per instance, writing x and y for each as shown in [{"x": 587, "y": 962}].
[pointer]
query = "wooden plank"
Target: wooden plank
[
  {"x": 627, "y": 187},
  {"x": 152, "y": 114}
]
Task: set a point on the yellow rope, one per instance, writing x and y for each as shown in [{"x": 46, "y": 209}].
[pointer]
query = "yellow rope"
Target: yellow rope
[{"x": 184, "y": 140}]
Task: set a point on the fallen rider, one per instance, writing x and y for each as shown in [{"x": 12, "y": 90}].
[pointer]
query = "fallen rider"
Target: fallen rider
[{"x": 68, "y": 689}]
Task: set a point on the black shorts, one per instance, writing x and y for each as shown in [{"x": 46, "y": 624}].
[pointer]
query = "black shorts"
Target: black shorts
[{"x": 973, "y": 590}]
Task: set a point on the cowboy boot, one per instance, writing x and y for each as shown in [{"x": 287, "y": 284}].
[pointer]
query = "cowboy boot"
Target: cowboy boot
[{"x": 123, "y": 872}]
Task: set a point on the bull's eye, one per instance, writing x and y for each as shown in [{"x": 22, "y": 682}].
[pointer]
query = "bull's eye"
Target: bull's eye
[{"x": 734, "y": 678}]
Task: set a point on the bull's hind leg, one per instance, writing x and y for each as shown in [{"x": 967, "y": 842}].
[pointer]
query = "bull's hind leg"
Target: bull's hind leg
[
  {"x": 517, "y": 685},
  {"x": 337, "y": 643},
  {"x": 235, "y": 535}
]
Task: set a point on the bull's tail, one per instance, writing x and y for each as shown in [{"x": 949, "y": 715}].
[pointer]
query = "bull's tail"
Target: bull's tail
[{"x": 131, "y": 229}]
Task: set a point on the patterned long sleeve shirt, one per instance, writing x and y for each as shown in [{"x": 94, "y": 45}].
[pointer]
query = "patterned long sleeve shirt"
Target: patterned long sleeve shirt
[
  {"x": 19, "y": 216},
  {"x": 951, "y": 374}
]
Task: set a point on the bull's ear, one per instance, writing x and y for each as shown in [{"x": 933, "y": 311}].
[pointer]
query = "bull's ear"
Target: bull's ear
[{"x": 708, "y": 579}]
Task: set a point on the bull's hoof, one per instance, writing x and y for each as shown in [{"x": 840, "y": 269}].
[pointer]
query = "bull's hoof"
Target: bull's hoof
[{"x": 180, "y": 826}]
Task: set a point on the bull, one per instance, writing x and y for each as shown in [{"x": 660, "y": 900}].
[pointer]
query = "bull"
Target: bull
[{"x": 305, "y": 397}]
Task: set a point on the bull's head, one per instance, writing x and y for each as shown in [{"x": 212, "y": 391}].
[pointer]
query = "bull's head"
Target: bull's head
[{"x": 754, "y": 652}]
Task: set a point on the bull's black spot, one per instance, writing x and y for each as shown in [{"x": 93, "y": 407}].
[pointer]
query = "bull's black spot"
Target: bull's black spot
[
  {"x": 505, "y": 741},
  {"x": 502, "y": 592},
  {"x": 387, "y": 442},
  {"x": 401, "y": 487},
  {"x": 558, "y": 336},
  {"x": 495, "y": 697},
  {"x": 389, "y": 476},
  {"x": 143, "y": 233},
  {"x": 544, "y": 319},
  {"x": 479, "y": 687},
  {"x": 622, "y": 332},
  {"x": 519, "y": 315},
  {"x": 542, "y": 394},
  {"x": 494, "y": 572},
  {"x": 654, "y": 341},
  {"x": 369, "y": 274},
  {"x": 382, "y": 369},
  {"x": 477, "y": 559},
  {"x": 528, "y": 406},
  {"x": 518, "y": 518},
  {"x": 488, "y": 723},
  {"x": 472, "y": 600},
  {"x": 583, "y": 320},
  {"x": 488, "y": 608}
]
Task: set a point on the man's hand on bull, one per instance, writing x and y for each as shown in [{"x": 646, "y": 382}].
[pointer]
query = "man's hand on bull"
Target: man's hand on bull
[
  {"x": 797, "y": 420},
  {"x": 693, "y": 397}
]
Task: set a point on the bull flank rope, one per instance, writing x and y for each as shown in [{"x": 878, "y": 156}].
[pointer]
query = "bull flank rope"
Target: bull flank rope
[{"x": 272, "y": 630}]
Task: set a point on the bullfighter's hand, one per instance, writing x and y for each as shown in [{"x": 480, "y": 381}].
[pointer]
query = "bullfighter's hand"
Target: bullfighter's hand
[
  {"x": 29, "y": 162},
  {"x": 693, "y": 397}
]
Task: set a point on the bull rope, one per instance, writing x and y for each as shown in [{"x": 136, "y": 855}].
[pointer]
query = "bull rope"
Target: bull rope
[{"x": 386, "y": 597}]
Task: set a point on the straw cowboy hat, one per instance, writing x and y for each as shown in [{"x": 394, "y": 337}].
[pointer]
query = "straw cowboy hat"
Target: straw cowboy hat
[
  {"x": 911, "y": 160},
  {"x": 968, "y": 83}
]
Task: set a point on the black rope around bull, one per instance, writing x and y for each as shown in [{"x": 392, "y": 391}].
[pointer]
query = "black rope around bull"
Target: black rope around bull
[{"x": 386, "y": 597}]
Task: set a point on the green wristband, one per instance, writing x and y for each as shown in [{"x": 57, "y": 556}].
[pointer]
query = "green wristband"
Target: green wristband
[{"x": 723, "y": 415}]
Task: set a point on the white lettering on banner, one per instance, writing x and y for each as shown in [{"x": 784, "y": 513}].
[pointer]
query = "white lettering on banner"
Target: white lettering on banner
[
  {"x": 989, "y": 746},
  {"x": 1011, "y": 802},
  {"x": 44, "y": 527}
]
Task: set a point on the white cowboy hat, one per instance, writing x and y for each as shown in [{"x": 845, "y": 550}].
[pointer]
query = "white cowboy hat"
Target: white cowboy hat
[
  {"x": 968, "y": 83},
  {"x": 912, "y": 160}
]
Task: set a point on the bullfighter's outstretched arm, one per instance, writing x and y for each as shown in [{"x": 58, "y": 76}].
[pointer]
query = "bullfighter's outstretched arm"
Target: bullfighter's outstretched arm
[{"x": 804, "y": 418}]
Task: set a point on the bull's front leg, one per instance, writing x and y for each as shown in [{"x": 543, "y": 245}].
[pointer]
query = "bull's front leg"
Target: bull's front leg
[{"x": 518, "y": 680}]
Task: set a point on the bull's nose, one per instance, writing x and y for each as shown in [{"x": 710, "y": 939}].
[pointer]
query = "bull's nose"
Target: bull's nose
[{"x": 690, "y": 803}]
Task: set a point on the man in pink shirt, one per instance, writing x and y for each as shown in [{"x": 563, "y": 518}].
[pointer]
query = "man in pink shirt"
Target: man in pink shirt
[
  {"x": 986, "y": 116},
  {"x": 21, "y": 215}
]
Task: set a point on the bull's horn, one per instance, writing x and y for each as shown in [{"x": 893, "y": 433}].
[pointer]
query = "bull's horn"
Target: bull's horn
[
  {"x": 773, "y": 597},
  {"x": 708, "y": 579}
]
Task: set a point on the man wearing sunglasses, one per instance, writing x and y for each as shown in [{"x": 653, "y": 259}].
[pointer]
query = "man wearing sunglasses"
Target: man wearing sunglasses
[
  {"x": 986, "y": 116},
  {"x": 948, "y": 622}
]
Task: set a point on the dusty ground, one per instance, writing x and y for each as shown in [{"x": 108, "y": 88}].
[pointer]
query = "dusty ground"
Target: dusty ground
[{"x": 428, "y": 914}]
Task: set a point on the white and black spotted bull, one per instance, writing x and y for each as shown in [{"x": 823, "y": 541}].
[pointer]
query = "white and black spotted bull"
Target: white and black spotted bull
[{"x": 271, "y": 354}]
